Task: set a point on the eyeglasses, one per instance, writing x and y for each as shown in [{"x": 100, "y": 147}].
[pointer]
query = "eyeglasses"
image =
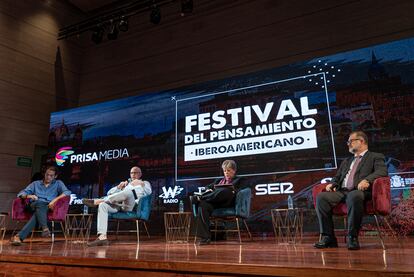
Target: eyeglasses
[
  {"x": 134, "y": 172},
  {"x": 351, "y": 141}
]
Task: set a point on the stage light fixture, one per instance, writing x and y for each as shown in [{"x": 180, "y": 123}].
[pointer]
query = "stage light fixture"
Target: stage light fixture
[
  {"x": 113, "y": 30},
  {"x": 97, "y": 34},
  {"x": 186, "y": 7},
  {"x": 155, "y": 15},
  {"x": 123, "y": 24}
]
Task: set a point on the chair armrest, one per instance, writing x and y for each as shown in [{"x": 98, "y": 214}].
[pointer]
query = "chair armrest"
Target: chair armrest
[
  {"x": 143, "y": 209},
  {"x": 60, "y": 210},
  {"x": 18, "y": 209},
  {"x": 316, "y": 190},
  {"x": 381, "y": 195},
  {"x": 243, "y": 201}
]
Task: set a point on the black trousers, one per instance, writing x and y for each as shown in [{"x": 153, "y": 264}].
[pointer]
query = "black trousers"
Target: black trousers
[
  {"x": 218, "y": 198},
  {"x": 326, "y": 201}
]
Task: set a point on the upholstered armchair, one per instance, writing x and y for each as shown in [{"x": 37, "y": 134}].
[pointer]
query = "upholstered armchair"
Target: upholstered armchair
[
  {"x": 58, "y": 214},
  {"x": 140, "y": 214},
  {"x": 240, "y": 212},
  {"x": 379, "y": 205}
]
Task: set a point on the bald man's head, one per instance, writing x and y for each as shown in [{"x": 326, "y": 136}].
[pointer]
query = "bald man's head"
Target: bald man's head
[{"x": 135, "y": 173}]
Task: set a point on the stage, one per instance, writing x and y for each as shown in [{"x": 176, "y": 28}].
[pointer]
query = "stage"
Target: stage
[{"x": 154, "y": 257}]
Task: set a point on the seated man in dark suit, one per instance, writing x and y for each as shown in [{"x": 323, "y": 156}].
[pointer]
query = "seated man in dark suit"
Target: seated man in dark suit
[
  {"x": 220, "y": 194},
  {"x": 352, "y": 185}
]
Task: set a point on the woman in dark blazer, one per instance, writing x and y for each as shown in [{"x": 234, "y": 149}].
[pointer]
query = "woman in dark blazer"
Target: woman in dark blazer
[{"x": 220, "y": 194}]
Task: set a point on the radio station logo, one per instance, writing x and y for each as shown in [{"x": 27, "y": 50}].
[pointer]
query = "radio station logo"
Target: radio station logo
[
  {"x": 274, "y": 188},
  {"x": 66, "y": 153},
  {"x": 170, "y": 195}
]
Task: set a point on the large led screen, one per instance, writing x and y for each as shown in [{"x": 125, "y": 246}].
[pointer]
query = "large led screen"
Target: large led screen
[{"x": 285, "y": 127}]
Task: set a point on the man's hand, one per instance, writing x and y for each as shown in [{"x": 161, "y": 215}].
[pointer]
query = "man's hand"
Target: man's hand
[
  {"x": 122, "y": 185},
  {"x": 137, "y": 182},
  {"x": 330, "y": 187},
  {"x": 363, "y": 185},
  {"x": 32, "y": 196},
  {"x": 52, "y": 204}
]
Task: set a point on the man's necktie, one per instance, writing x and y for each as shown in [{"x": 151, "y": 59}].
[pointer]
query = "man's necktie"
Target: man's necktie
[{"x": 350, "y": 181}]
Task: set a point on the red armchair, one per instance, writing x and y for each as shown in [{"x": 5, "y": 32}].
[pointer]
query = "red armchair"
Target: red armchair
[
  {"x": 379, "y": 205},
  {"x": 58, "y": 214}
]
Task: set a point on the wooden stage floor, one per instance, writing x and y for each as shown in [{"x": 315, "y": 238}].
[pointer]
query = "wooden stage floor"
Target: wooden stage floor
[{"x": 154, "y": 257}]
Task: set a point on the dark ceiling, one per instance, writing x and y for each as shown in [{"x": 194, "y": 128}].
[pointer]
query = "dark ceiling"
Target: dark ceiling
[{"x": 90, "y": 5}]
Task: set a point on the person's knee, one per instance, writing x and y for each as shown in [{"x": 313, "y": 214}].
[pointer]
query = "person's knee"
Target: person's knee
[
  {"x": 103, "y": 207},
  {"x": 321, "y": 198},
  {"x": 202, "y": 205},
  {"x": 355, "y": 197}
]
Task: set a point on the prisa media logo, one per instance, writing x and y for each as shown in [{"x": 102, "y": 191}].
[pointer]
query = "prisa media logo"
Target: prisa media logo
[
  {"x": 62, "y": 154},
  {"x": 65, "y": 153}
]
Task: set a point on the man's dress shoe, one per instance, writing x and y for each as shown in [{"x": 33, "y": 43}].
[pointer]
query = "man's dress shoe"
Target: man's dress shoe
[
  {"x": 326, "y": 242},
  {"x": 88, "y": 202},
  {"x": 353, "y": 243},
  {"x": 204, "y": 241},
  {"x": 98, "y": 242}
]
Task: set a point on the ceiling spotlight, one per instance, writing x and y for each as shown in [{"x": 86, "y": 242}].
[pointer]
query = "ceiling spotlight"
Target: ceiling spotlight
[
  {"x": 113, "y": 31},
  {"x": 123, "y": 24},
  {"x": 97, "y": 34},
  {"x": 186, "y": 7},
  {"x": 155, "y": 15}
]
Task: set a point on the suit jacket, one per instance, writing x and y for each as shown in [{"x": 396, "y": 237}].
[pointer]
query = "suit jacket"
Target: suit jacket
[
  {"x": 237, "y": 182},
  {"x": 371, "y": 167}
]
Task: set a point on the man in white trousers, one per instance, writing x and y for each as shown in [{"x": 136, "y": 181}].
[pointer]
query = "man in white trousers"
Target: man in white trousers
[{"x": 120, "y": 198}]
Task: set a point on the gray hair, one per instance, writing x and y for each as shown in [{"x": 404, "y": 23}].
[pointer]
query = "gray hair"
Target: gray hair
[{"x": 229, "y": 164}]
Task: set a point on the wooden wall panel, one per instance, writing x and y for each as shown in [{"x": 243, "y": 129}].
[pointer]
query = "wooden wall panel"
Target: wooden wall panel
[
  {"x": 13, "y": 178},
  {"x": 234, "y": 38},
  {"x": 34, "y": 42},
  {"x": 38, "y": 75}
]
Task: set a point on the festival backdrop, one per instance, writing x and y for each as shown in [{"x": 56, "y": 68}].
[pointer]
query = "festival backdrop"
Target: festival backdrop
[{"x": 285, "y": 127}]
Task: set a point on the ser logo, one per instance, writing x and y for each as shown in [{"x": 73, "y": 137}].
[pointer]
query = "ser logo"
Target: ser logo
[
  {"x": 274, "y": 188},
  {"x": 169, "y": 195}
]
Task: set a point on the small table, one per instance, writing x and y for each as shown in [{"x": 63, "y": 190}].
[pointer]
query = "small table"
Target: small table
[
  {"x": 77, "y": 227},
  {"x": 177, "y": 226},
  {"x": 3, "y": 218},
  {"x": 287, "y": 225}
]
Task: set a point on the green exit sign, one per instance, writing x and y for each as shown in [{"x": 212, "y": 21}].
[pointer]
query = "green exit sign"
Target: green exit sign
[{"x": 24, "y": 161}]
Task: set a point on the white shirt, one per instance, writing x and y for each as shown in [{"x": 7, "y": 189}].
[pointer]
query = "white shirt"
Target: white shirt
[
  {"x": 350, "y": 168},
  {"x": 125, "y": 197}
]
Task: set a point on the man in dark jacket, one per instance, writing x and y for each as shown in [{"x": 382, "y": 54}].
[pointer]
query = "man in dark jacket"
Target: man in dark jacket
[
  {"x": 353, "y": 185},
  {"x": 220, "y": 194}
]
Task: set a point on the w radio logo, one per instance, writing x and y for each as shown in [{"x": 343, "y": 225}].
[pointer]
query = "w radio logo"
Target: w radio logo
[
  {"x": 169, "y": 195},
  {"x": 62, "y": 154}
]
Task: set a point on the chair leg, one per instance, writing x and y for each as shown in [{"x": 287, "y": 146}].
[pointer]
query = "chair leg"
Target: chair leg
[
  {"x": 247, "y": 228},
  {"x": 53, "y": 231},
  {"x": 137, "y": 223},
  {"x": 215, "y": 229},
  {"x": 379, "y": 232},
  {"x": 63, "y": 230},
  {"x": 15, "y": 228},
  {"x": 345, "y": 228},
  {"x": 238, "y": 229},
  {"x": 393, "y": 233},
  {"x": 146, "y": 229},
  {"x": 117, "y": 229}
]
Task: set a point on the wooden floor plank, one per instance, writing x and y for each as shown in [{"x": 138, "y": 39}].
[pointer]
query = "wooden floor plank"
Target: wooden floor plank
[{"x": 261, "y": 257}]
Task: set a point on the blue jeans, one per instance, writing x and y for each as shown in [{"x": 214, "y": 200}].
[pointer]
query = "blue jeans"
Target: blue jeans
[{"x": 39, "y": 217}]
